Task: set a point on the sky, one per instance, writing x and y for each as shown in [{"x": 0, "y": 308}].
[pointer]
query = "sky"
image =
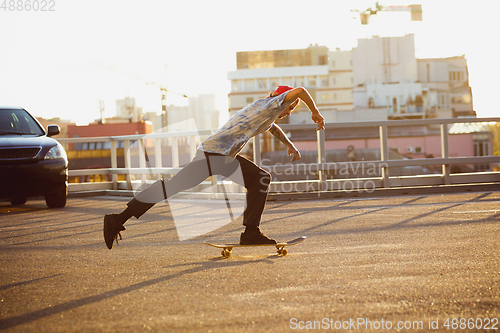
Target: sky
[{"x": 62, "y": 63}]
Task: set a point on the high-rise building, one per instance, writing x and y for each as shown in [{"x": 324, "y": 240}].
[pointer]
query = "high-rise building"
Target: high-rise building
[{"x": 127, "y": 109}]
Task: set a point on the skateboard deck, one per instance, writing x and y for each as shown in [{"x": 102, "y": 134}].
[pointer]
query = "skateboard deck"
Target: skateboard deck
[{"x": 280, "y": 247}]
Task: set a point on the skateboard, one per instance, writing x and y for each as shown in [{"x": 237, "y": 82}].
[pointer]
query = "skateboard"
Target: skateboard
[{"x": 280, "y": 247}]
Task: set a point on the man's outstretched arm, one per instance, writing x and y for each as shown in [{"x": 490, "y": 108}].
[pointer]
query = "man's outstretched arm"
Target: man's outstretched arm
[
  {"x": 304, "y": 95},
  {"x": 278, "y": 133}
]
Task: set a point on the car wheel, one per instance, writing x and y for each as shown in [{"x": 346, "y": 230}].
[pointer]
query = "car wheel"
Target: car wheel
[
  {"x": 56, "y": 200},
  {"x": 17, "y": 201}
]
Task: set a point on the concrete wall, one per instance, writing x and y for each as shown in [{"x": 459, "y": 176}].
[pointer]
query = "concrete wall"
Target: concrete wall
[{"x": 384, "y": 60}]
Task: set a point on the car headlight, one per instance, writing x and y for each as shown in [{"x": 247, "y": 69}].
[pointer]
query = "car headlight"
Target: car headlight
[{"x": 56, "y": 152}]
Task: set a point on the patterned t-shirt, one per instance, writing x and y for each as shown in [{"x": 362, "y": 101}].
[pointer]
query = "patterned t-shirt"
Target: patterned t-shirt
[{"x": 253, "y": 119}]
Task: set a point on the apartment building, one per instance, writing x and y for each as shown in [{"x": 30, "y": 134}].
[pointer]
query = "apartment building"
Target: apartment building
[
  {"x": 326, "y": 74},
  {"x": 380, "y": 79},
  {"x": 390, "y": 83},
  {"x": 446, "y": 85}
]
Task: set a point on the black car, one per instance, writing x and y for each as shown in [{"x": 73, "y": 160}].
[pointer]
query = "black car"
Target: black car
[{"x": 32, "y": 163}]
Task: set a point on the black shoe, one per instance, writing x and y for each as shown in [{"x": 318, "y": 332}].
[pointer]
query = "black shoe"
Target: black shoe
[
  {"x": 255, "y": 238},
  {"x": 111, "y": 229}
]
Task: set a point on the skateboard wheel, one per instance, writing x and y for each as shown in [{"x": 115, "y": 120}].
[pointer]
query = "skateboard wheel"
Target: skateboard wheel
[
  {"x": 226, "y": 253},
  {"x": 284, "y": 252}
]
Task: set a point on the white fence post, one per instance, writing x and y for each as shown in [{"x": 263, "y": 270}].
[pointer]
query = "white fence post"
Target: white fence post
[
  {"x": 384, "y": 156},
  {"x": 142, "y": 154},
  {"x": 320, "y": 137},
  {"x": 192, "y": 147},
  {"x": 114, "y": 165},
  {"x": 158, "y": 157},
  {"x": 445, "y": 153},
  {"x": 257, "y": 156},
  {"x": 175, "y": 152},
  {"x": 128, "y": 163}
]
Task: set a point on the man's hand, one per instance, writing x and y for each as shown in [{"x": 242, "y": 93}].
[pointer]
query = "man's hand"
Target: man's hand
[
  {"x": 278, "y": 133},
  {"x": 294, "y": 152},
  {"x": 318, "y": 119}
]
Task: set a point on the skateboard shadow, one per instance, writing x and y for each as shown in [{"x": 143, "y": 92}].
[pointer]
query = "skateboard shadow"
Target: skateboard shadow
[{"x": 221, "y": 262}]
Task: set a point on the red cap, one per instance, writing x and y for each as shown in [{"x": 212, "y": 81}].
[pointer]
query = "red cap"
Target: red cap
[{"x": 282, "y": 89}]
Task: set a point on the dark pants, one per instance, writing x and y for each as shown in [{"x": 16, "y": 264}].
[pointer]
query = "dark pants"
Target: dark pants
[{"x": 239, "y": 169}]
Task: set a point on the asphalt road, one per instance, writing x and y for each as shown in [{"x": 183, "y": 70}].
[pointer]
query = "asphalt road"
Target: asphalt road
[{"x": 427, "y": 263}]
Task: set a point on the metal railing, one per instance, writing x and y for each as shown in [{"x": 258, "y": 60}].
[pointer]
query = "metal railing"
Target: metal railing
[{"x": 155, "y": 142}]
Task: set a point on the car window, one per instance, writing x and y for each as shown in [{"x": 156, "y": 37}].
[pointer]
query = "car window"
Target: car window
[{"x": 18, "y": 122}]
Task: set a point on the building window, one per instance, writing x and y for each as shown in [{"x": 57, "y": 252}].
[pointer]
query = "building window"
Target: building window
[
  {"x": 249, "y": 100},
  {"x": 286, "y": 81},
  {"x": 249, "y": 84},
  {"x": 443, "y": 100},
  {"x": 333, "y": 63},
  {"x": 311, "y": 81},
  {"x": 262, "y": 84},
  {"x": 322, "y": 60},
  {"x": 324, "y": 81},
  {"x": 274, "y": 84},
  {"x": 235, "y": 85},
  {"x": 456, "y": 76},
  {"x": 325, "y": 97},
  {"x": 481, "y": 148}
]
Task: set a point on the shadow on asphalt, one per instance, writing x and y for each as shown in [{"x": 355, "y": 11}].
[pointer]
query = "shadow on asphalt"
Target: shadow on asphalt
[
  {"x": 339, "y": 204},
  {"x": 56, "y": 309},
  {"x": 405, "y": 223},
  {"x": 330, "y": 207},
  {"x": 23, "y": 283}
]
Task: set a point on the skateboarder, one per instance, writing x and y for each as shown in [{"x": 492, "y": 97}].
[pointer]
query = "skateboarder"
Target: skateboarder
[{"x": 219, "y": 155}]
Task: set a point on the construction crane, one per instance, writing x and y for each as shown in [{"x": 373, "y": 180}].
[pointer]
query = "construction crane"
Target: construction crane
[
  {"x": 364, "y": 15},
  {"x": 161, "y": 86}
]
